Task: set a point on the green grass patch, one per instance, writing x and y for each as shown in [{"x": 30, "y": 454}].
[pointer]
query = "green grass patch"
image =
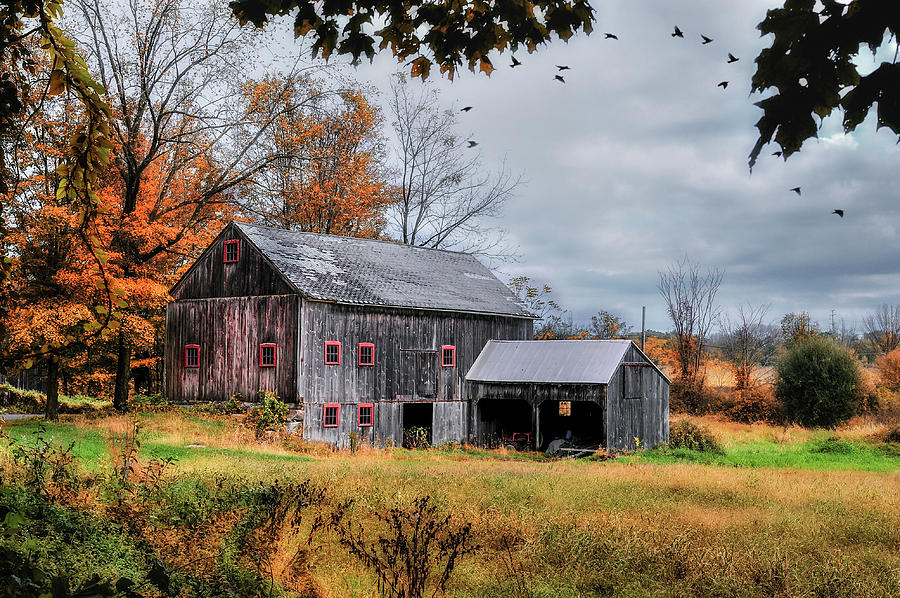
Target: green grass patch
[
  {"x": 821, "y": 453},
  {"x": 89, "y": 446}
]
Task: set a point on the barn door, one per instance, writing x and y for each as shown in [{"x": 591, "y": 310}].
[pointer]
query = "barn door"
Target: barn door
[
  {"x": 426, "y": 374},
  {"x": 419, "y": 372}
]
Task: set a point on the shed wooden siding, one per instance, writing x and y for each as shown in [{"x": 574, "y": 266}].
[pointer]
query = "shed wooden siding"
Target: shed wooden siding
[
  {"x": 407, "y": 348},
  {"x": 251, "y": 275},
  {"x": 637, "y": 405},
  {"x": 229, "y": 332}
]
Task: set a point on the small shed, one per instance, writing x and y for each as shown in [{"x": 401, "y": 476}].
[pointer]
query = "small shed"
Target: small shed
[{"x": 599, "y": 392}]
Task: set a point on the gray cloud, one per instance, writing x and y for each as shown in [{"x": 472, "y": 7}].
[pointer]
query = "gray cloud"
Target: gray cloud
[{"x": 639, "y": 159}]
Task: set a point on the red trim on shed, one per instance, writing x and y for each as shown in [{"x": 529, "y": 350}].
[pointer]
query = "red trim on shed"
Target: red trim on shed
[
  {"x": 188, "y": 362},
  {"x": 236, "y": 243},
  {"x": 264, "y": 359},
  {"x": 334, "y": 360},
  {"x": 371, "y": 353},
  {"x": 365, "y": 419},
  {"x": 448, "y": 356},
  {"x": 331, "y": 415}
]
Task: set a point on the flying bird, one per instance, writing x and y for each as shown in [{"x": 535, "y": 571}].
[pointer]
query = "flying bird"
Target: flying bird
[
  {"x": 515, "y": 63},
  {"x": 610, "y": 36},
  {"x": 472, "y": 143},
  {"x": 678, "y": 32},
  {"x": 562, "y": 67},
  {"x": 706, "y": 40},
  {"x": 466, "y": 109},
  {"x": 839, "y": 213},
  {"x": 776, "y": 154},
  {"x": 723, "y": 85},
  {"x": 559, "y": 78},
  {"x": 732, "y": 58},
  {"x": 796, "y": 190}
]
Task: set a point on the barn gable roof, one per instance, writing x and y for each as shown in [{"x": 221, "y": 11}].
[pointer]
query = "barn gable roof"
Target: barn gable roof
[
  {"x": 550, "y": 362},
  {"x": 356, "y": 271}
]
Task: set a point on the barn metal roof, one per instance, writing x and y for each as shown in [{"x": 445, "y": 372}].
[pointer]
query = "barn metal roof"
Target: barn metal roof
[
  {"x": 560, "y": 362},
  {"x": 381, "y": 273}
]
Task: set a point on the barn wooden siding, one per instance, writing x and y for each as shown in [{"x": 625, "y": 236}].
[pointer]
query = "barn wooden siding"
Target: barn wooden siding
[
  {"x": 229, "y": 331},
  {"x": 637, "y": 404},
  {"x": 407, "y": 366},
  {"x": 251, "y": 275}
]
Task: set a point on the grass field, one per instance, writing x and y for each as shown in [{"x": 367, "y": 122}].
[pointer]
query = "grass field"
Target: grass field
[{"x": 783, "y": 511}]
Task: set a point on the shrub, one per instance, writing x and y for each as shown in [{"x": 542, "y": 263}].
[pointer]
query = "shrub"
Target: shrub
[
  {"x": 270, "y": 414},
  {"x": 693, "y": 396},
  {"x": 818, "y": 383},
  {"x": 689, "y": 434},
  {"x": 888, "y": 368},
  {"x": 755, "y": 404}
]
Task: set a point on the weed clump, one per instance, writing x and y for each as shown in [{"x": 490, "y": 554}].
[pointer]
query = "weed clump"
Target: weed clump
[
  {"x": 689, "y": 434},
  {"x": 270, "y": 414}
]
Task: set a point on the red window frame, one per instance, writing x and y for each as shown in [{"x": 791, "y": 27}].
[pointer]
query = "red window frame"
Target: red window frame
[
  {"x": 359, "y": 415},
  {"x": 359, "y": 352},
  {"x": 274, "y": 355},
  {"x": 452, "y": 363},
  {"x": 237, "y": 251},
  {"x": 337, "y": 415},
  {"x": 333, "y": 344},
  {"x": 185, "y": 362}
]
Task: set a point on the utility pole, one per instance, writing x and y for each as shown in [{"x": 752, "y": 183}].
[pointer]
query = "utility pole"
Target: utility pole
[{"x": 643, "y": 326}]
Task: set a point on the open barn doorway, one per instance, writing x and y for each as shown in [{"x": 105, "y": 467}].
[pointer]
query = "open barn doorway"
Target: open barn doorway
[
  {"x": 505, "y": 422},
  {"x": 418, "y": 419},
  {"x": 580, "y": 423}
]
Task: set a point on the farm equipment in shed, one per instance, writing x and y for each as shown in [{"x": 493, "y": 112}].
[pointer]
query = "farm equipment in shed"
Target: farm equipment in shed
[{"x": 517, "y": 441}]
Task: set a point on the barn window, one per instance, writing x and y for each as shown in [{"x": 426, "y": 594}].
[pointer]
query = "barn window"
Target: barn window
[
  {"x": 331, "y": 418},
  {"x": 364, "y": 415},
  {"x": 448, "y": 356},
  {"x": 332, "y": 353},
  {"x": 268, "y": 355},
  {"x": 232, "y": 251},
  {"x": 192, "y": 356},
  {"x": 565, "y": 408},
  {"x": 366, "y": 353}
]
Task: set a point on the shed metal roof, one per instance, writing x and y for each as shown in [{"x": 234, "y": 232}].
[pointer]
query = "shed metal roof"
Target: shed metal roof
[
  {"x": 560, "y": 362},
  {"x": 381, "y": 273}
]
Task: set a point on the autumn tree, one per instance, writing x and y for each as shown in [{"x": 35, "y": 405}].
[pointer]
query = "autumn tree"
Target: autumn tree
[
  {"x": 175, "y": 71},
  {"x": 797, "y": 327},
  {"x": 538, "y": 299},
  {"x": 605, "y": 325},
  {"x": 31, "y": 39},
  {"x": 882, "y": 327},
  {"x": 329, "y": 175},
  {"x": 689, "y": 292},
  {"x": 747, "y": 339},
  {"x": 446, "y": 200},
  {"x": 56, "y": 291}
]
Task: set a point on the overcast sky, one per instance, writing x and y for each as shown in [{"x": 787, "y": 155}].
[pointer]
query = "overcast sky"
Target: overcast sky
[{"x": 639, "y": 159}]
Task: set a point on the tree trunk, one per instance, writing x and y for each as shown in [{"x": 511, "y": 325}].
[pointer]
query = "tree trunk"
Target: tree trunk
[
  {"x": 52, "y": 407},
  {"x": 123, "y": 373}
]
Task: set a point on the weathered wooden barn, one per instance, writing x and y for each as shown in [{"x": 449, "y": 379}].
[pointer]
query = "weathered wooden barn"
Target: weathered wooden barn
[
  {"x": 371, "y": 337},
  {"x": 601, "y": 392}
]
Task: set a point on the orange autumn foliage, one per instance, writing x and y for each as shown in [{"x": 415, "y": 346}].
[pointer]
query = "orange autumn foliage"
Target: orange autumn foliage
[{"x": 328, "y": 177}]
